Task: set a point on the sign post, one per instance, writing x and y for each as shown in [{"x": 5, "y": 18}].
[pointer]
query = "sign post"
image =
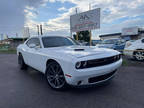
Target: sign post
[{"x": 88, "y": 20}]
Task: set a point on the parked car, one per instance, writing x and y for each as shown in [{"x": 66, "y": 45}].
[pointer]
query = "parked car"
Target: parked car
[
  {"x": 95, "y": 42},
  {"x": 115, "y": 43},
  {"x": 64, "y": 62},
  {"x": 135, "y": 49},
  {"x": 83, "y": 43}
]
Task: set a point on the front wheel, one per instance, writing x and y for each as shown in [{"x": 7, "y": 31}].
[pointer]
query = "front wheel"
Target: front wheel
[
  {"x": 55, "y": 76},
  {"x": 21, "y": 62},
  {"x": 139, "y": 55}
]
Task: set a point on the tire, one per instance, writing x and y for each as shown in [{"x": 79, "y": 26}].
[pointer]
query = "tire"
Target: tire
[
  {"x": 55, "y": 76},
  {"x": 21, "y": 62},
  {"x": 139, "y": 55}
]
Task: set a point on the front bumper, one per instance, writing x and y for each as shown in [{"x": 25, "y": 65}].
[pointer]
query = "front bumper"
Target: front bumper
[{"x": 83, "y": 76}]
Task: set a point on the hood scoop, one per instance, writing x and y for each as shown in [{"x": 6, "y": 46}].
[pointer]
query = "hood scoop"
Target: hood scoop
[{"x": 79, "y": 49}]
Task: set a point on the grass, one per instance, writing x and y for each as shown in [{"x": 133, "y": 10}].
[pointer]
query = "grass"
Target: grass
[
  {"x": 132, "y": 62},
  {"x": 7, "y": 51},
  {"x": 125, "y": 63}
]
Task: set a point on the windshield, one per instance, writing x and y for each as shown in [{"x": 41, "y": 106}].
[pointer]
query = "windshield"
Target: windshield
[{"x": 58, "y": 41}]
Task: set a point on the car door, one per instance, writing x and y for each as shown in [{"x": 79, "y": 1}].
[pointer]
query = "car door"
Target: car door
[
  {"x": 32, "y": 55},
  {"x": 26, "y": 51}
]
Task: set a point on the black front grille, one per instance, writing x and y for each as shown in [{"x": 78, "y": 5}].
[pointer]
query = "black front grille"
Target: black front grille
[
  {"x": 100, "y": 78},
  {"x": 103, "y": 61}
]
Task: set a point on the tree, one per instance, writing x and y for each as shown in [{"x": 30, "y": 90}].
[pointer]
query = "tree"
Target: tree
[{"x": 83, "y": 35}]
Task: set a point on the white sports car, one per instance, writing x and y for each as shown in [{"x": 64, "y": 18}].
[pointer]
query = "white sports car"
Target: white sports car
[{"x": 64, "y": 61}]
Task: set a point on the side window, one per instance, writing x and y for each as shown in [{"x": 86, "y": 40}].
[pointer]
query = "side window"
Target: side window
[
  {"x": 35, "y": 41},
  {"x": 142, "y": 40},
  {"x": 29, "y": 42}
]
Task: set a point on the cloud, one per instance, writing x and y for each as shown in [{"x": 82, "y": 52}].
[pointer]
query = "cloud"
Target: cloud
[
  {"x": 115, "y": 14},
  {"x": 62, "y": 9},
  {"x": 12, "y": 16},
  {"x": 118, "y": 27},
  {"x": 14, "y": 13},
  {"x": 52, "y": 1},
  {"x": 53, "y": 26}
]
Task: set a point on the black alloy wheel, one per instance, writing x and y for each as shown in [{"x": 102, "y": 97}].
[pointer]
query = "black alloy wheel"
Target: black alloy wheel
[
  {"x": 55, "y": 76},
  {"x": 21, "y": 62}
]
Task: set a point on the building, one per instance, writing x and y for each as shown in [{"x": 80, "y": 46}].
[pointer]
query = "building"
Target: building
[
  {"x": 13, "y": 42},
  {"x": 132, "y": 33},
  {"x": 108, "y": 36}
]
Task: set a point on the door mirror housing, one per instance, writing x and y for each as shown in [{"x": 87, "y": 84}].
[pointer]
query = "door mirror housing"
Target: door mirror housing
[{"x": 32, "y": 46}]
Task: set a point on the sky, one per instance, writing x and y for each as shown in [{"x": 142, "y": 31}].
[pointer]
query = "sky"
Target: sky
[{"x": 54, "y": 15}]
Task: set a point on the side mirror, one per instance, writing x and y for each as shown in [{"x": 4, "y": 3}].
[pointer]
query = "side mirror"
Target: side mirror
[{"x": 32, "y": 45}]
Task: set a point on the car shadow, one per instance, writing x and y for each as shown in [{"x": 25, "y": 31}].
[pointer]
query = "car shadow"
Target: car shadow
[{"x": 39, "y": 78}]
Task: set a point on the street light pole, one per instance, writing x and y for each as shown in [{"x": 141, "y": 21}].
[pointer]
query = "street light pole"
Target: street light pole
[{"x": 90, "y": 30}]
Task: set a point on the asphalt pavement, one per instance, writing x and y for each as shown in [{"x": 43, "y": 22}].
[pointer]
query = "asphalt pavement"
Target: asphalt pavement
[{"x": 29, "y": 89}]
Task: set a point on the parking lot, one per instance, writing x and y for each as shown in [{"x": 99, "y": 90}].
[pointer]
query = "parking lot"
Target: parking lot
[{"x": 29, "y": 89}]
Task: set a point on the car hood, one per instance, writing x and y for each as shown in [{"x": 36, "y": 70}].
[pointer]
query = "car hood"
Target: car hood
[{"x": 81, "y": 51}]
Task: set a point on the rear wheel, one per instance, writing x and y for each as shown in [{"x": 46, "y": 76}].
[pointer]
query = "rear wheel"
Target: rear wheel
[
  {"x": 139, "y": 55},
  {"x": 55, "y": 76},
  {"x": 21, "y": 62}
]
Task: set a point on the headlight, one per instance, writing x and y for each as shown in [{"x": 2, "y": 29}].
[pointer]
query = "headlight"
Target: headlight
[
  {"x": 84, "y": 63},
  {"x": 78, "y": 65},
  {"x": 118, "y": 56},
  {"x": 81, "y": 65}
]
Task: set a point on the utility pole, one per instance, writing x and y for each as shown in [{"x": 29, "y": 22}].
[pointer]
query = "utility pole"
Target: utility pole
[
  {"x": 76, "y": 32},
  {"x": 16, "y": 35},
  {"x": 41, "y": 29},
  {"x": 90, "y": 30},
  {"x": 89, "y": 6},
  {"x": 70, "y": 29},
  {"x": 28, "y": 32},
  {"x": 38, "y": 29},
  {"x": 76, "y": 10},
  {"x": 1, "y": 36}
]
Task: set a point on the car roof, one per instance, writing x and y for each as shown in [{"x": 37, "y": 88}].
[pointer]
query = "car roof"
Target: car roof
[
  {"x": 47, "y": 36},
  {"x": 111, "y": 39}
]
